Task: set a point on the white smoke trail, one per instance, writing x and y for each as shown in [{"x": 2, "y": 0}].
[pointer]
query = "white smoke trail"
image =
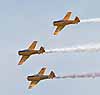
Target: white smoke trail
[
  {"x": 94, "y": 20},
  {"x": 80, "y": 48},
  {"x": 85, "y": 75}
]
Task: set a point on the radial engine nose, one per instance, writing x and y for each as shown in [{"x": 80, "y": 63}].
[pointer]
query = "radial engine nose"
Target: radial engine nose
[
  {"x": 19, "y": 52},
  {"x": 29, "y": 78},
  {"x": 54, "y": 23}
]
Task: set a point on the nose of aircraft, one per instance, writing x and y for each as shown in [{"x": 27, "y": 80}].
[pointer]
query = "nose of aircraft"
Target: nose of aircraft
[
  {"x": 54, "y": 23},
  {"x": 29, "y": 78},
  {"x": 19, "y": 53}
]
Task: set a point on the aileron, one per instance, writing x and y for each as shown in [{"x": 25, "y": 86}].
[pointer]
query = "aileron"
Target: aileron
[{"x": 67, "y": 16}]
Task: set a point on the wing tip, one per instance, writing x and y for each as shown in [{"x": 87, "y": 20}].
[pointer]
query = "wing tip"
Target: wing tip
[
  {"x": 20, "y": 63},
  {"x": 44, "y": 68},
  {"x": 69, "y": 11},
  {"x": 55, "y": 33},
  {"x": 30, "y": 87},
  {"x": 35, "y": 41}
]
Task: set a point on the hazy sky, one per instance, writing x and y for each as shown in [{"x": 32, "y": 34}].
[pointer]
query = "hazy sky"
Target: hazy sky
[{"x": 23, "y": 21}]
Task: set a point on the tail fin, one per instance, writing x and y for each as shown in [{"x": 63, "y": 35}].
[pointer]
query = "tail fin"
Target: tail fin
[
  {"x": 52, "y": 75},
  {"x": 42, "y": 50},
  {"x": 76, "y": 20}
]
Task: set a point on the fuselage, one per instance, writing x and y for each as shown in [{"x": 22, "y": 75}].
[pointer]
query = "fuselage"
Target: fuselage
[
  {"x": 63, "y": 22},
  {"x": 37, "y": 77},
  {"x": 28, "y": 52}
]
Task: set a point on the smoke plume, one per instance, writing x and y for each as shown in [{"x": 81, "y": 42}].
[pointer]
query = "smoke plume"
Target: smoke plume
[
  {"x": 94, "y": 20},
  {"x": 85, "y": 75},
  {"x": 79, "y": 48}
]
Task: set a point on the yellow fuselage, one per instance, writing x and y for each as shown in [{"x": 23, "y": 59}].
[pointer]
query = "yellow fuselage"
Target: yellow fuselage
[
  {"x": 63, "y": 22},
  {"x": 28, "y": 52},
  {"x": 37, "y": 77}
]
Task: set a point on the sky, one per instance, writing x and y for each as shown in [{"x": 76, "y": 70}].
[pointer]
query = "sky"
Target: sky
[{"x": 23, "y": 21}]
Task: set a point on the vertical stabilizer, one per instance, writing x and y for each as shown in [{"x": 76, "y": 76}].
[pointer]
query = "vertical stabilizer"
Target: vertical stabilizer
[
  {"x": 52, "y": 75},
  {"x": 77, "y": 20},
  {"x": 42, "y": 50}
]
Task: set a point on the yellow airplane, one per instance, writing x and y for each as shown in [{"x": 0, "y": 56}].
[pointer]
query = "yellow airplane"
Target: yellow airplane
[
  {"x": 28, "y": 52},
  {"x": 65, "y": 21},
  {"x": 40, "y": 76}
]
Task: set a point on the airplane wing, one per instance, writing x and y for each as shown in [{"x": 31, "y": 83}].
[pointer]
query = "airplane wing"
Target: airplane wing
[
  {"x": 33, "y": 84},
  {"x": 23, "y": 59},
  {"x": 58, "y": 29},
  {"x": 41, "y": 72},
  {"x": 33, "y": 45},
  {"x": 67, "y": 16}
]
